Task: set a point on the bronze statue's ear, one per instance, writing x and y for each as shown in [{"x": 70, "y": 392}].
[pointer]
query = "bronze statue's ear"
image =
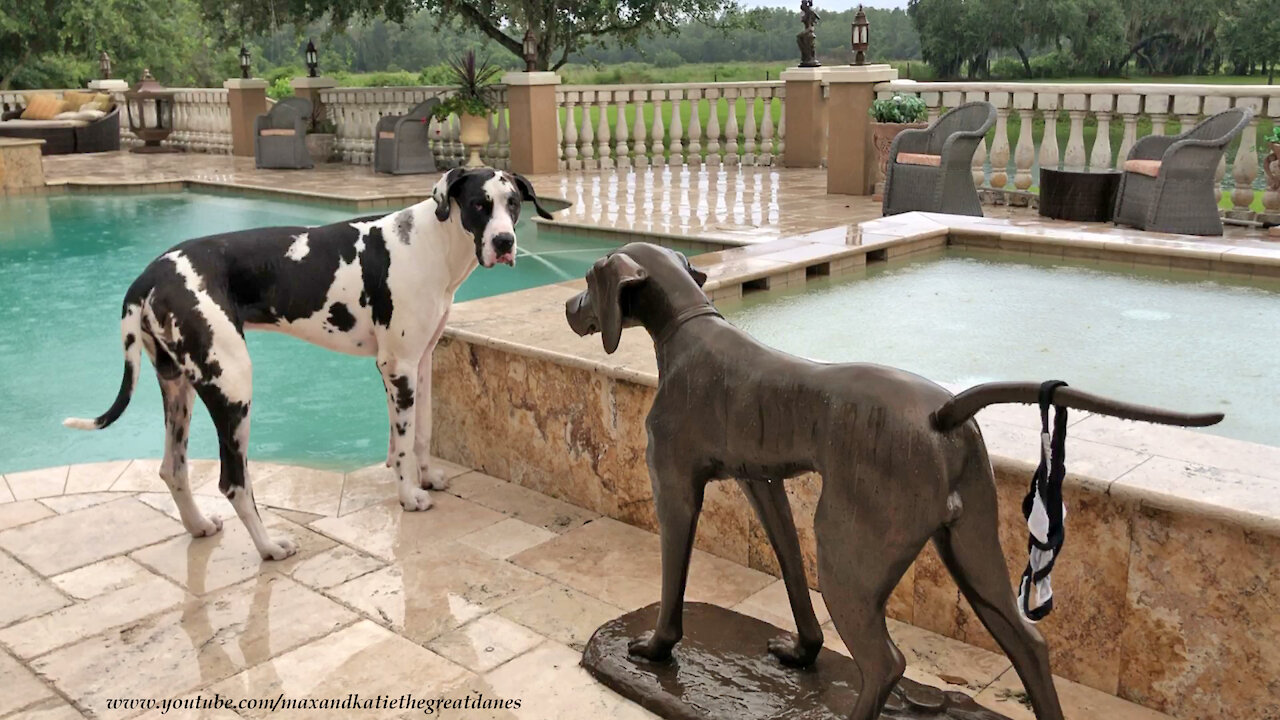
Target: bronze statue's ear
[
  {"x": 605, "y": 282},
  {"x": 444, "y": 190},
  {"x": 697, "y": 275},
  {"x": 526, "y": 191}
]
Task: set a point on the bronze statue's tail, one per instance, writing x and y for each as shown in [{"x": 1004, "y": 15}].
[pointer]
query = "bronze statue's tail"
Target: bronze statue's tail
[{"x": 965, "y": 405}]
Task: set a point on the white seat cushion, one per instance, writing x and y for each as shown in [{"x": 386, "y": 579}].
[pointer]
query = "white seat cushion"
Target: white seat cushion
[{"x": 44, "y": 124}]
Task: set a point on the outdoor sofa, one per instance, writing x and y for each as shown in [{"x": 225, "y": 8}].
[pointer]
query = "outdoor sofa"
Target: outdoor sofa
[{"x": 67, "y": 131}]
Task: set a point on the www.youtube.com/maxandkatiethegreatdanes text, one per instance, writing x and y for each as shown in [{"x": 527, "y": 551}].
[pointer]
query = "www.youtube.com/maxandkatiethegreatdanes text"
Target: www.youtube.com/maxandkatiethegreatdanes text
[{"x": 353, "y": 701}]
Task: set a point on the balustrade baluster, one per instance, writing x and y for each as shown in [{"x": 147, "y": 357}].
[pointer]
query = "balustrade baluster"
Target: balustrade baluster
[
  {"x": 603, "y": 153},
  {"x": 1245, "y": 167},
  {"x": 571, "y": 132},
  {"x": 622, "y": 151},
  {"x": 1130, "y": 108},
  {"x": 694, "y": 156},
  {"x": 676, "y": 144},
  {"x": 749, "y": 127},
  {"x": 766, "y": 132},
  {"x": 713, "y": 127},
  {"x": 1000, "y": 143},
  {"x": 656, "y": 130},
  {"x": 639, "y": 153},
  {"x": 780, "y": 145},
  {"x": 1024, "y": 154},
  {"x": 1100, "y": 157},
  {"x": 731, "y": 128},
  {"x": 588, "y": 132},
  {"x": 1074, "y": 156}
]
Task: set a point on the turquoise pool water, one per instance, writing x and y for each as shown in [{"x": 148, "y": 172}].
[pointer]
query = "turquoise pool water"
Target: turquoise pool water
[
  {"x": 961, "y": 318},
  {"x": 65, "y": 262}
]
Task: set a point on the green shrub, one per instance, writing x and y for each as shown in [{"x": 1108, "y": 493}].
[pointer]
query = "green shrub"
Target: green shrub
[
  {"x": 1052, "y": 65},
  {"x": 668, "y": 58},
  {"x": 280, "y": 88},
  {"x": 898, "y": 109},
  {"x": 1008, "y": 68}
]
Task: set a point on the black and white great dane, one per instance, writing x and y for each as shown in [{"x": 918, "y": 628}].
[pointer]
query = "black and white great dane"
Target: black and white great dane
[{"x": 378, "y": 285}]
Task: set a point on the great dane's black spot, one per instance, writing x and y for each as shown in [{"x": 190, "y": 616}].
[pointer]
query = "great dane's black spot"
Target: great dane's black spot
[
  {"x": 375, "y": 264},
  {"x": 404, "y": 393},
  {"x": 404, "y": 225},
  {"x": 340, "y": 317},
  {"x": 129, "y": 340}
]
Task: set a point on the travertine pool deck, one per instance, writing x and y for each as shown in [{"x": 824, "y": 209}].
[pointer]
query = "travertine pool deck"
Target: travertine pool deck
[{"x": 495, "y": 590}]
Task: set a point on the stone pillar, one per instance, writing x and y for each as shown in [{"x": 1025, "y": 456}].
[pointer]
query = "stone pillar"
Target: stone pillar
[
  {"x": 851, "y": 159},
  {"x": 247, "y": 100},
  {"x": 806, "y": 117},
  {"x": 531, "y": 106},
  {"x": 309, "y": 88}
]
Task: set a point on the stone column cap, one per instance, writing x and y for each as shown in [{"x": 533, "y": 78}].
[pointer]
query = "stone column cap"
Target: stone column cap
[
  {"x": 112, "y": 84},
  {"x": 315, "y": 83},
  {"x": 530, "y": 78},
  {"x": 803, "y": 74},
  {"x": 860, "y": 74},
  {"x": 245, "y": 84}
]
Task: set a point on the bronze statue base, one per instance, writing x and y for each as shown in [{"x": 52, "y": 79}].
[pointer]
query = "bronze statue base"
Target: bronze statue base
[{"x": 721, "y": 670}]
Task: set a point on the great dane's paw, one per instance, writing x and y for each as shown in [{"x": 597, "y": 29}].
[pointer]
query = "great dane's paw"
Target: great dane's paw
[
  {"x": 791, "y": 652},
  {"x": 433, "y": 479},
  {"x": 279, "y": 549},
  {"x": 650, "y": 647},
  {"x": 212, "y": 525},
  {"x": 415, "y": 500}
]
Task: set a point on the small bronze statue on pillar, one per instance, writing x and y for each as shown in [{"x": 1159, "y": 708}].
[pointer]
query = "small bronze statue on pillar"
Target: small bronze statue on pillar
[{"x": 806, "y": 38}]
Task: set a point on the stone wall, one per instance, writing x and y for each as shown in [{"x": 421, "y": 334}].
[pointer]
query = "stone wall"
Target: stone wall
[{"x": 1172, "y": 611}]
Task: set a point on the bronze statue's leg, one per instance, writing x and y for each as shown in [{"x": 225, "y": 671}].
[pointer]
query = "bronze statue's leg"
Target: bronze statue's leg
[
  {"x": 970, "y": 548},
  {"x": 863, "y": 551},
  {"x": 770, "y": 502},
  {"x": 678, "y": 498}
]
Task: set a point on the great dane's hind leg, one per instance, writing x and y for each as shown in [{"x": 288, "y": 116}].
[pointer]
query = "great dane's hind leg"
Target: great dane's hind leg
[
  {"x": 430, "y": 477},
  {"x": 178, "y": 396},
  {"x": 970, "y": 548},
  {"x": 774, "y": 510},
  {"x": 228, "y": 398},
  {"x": 863, "y": 551},
  {"x": 678, "y": 497},
  {"x": 401, "y": 380}
]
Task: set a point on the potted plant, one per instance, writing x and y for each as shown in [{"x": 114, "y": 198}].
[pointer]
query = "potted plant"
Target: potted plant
[
  {"x": 1271, "y": 163},
  {"x": 890, "y": 116},
  {"x": 472, "y": 101},
  {"x": 322, "y": 135}
]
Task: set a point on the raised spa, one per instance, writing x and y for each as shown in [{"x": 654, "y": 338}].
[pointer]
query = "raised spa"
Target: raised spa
[
  {"x": 65, "y": 262},
  {"x": 964, "y": 317}
]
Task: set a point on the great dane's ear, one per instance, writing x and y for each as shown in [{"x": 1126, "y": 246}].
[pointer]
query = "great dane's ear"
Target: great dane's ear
[
  {"x": 444, "y": 190},
  {"x": 526, "y": 191},
  {"x": 605, "y": 282}
]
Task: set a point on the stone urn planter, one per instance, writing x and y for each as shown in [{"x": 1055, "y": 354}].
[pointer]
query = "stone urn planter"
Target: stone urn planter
[
  {"x": 882, "y": 135},
  {"x": 474, "y": 135},
  {"x": 320, "y": 146}
]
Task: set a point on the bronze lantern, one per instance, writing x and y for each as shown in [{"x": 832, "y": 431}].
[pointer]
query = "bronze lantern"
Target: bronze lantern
[
  {"x": 530, "y": 47},
  {"x": 244, "y": 62},
  {"x": 150, "y": 108},
  {"x": 313, "y": 58},
  {"x": 104, "y": 65},
  {"x": 861, "y": 37}
]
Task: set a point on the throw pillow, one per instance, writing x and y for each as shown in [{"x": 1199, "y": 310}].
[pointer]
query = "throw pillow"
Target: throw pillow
[
  {"x": 43, "y": 106},
  {"x": 75, "y": 99}
]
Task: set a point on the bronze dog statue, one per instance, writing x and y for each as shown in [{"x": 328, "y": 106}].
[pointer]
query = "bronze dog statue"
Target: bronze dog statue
[{"x": 901, "y": 458}]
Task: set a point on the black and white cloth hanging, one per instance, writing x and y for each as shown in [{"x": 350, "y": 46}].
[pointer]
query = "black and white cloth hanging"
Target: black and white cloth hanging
[{"x": 1044, "y": 510}]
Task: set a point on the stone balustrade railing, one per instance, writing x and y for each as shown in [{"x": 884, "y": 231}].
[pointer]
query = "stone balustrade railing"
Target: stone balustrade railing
[
  {"x": 201, "y": 121},
  {"x": 355, "y": 113},
  {"x": 1116, "y": 114},
  {"x": 608, "y": 126}
]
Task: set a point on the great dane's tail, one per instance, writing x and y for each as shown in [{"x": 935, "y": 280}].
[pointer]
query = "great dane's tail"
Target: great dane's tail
[
  {"x": 965, "y": 405},
  {"x": 131, "y": 336}
]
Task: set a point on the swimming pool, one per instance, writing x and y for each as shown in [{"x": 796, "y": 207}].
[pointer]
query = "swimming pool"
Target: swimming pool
[
  {"x": 65, "y": 262},
  {"x": 961, "y": 318}
]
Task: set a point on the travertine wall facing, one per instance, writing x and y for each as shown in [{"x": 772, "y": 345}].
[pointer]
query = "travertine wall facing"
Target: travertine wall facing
[{"x": 1174, "y": 611}]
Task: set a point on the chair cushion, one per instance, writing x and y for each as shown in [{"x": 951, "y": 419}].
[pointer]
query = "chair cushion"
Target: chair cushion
[
  {"x": 387, "y": 135},
  {"x": 919, "y": 159},
  {"x": 1150, "y": 168},
  {"x": 271, "y": 132},
  {"x": 43, "y": 106},
  {"x": 43, "y": 124}
]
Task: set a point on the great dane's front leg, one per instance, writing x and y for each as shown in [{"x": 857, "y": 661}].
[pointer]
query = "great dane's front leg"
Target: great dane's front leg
[
  {"x": 769, "y": 498},
  {"x": 678, "y": 497},
  {"x": 431, "y": 477},
  {"x": 400, "y": 376}
]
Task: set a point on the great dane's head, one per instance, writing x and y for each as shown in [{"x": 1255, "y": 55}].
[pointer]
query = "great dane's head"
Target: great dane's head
[
  {"x": 638, "y": 284},
  {"x": 488, "y": 206}
]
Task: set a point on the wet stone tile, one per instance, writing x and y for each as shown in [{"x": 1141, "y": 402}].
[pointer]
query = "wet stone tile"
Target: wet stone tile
[
  {"x": 26, "y": 594},
  {"x": 79, "y": 538}
]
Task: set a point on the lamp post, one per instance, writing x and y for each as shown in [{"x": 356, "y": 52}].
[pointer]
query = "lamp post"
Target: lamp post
[
  {"x": 244, "y": 62},
  {"x": 150, "y": 108},
  {"x": 530, "y": 51},
  {"x": 313, "y": 59},
  {"x": 104, "y": 65},
  {"x": 861, "y": 37}
]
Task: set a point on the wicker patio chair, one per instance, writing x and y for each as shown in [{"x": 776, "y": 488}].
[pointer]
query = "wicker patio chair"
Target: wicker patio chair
[
  {"x": 1167, "y": 184},
  {"x": 280, "y": 136},
  {"x": 931, "y": 169},
  {"x": 403, "y": 146}
]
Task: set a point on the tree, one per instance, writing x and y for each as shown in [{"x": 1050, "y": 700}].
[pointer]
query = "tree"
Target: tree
[
  {"x": 55, "y": 43},
  {"x": 562, "y": 27}
]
